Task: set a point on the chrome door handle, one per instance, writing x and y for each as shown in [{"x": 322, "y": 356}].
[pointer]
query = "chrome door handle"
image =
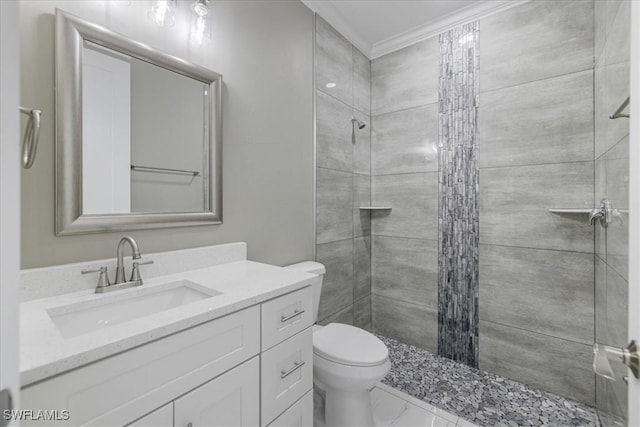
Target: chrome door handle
[
  {"x": 291, "y": 316},
  {"x": 628, "y": 356},
  {"x": 296, "y": 366}
]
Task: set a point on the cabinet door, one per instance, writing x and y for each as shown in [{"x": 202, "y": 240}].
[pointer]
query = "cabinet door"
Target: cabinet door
[
  {"x": 230, "y": 400},
  {"x": 300, "y": 414},
  {"x": 161, "y": 417}
]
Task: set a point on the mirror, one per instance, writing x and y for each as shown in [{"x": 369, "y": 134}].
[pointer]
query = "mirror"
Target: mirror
[{"x": 138, "y": 134}]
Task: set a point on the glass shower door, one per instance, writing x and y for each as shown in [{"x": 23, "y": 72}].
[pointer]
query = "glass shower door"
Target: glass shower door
[{"x": 611, "y": 155}]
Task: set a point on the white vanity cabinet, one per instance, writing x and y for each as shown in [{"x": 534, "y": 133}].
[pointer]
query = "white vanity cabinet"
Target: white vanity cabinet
[
  {"x": 161, "y": 417},
  {"x": 249, "y": 368},
  {"x": 229, "y": 400},
  {"x": 287, "y": 353}
]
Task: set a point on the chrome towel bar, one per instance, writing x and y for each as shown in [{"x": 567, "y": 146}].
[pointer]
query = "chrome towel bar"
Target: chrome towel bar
[
  {"x": 31, "y": 136},
  {"x": 163, "y": 170}
]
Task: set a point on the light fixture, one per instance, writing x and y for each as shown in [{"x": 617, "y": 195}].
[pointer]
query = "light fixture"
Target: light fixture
[
  {"x": 163, "y": 12},
  {"x": 330, "y": 85},
  {"x": 199, "y": 25}
]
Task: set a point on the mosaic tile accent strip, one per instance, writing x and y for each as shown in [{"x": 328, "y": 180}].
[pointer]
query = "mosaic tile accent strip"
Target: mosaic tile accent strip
[
  {"x": 458, "y": 192},
  {"x": 481, "y": 397}
]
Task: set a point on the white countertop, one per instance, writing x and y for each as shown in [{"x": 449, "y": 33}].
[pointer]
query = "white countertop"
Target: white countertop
[{"x": 44, "y": 352}]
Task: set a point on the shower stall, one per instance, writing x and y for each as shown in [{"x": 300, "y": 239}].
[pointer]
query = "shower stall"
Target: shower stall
[{"x": 487, "y": 145}]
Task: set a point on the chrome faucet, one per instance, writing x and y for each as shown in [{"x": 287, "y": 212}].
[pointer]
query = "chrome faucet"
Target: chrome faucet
[
  {"x": 104, "y": 285},
  {"x": 135, "y": 255}
]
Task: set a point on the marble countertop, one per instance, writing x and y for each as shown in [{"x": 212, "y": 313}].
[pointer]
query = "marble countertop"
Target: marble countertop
[{"x": 44, "y": 351}]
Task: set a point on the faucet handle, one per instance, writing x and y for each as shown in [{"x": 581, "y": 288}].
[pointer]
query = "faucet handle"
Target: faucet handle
[
  {"x": 103, "y": 280},
  {"x": 135, "y": 271}
]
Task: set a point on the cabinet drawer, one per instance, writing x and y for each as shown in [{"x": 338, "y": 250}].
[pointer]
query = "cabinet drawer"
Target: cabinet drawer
[
  {"x": 285, "y": 316},
  {"x": 298, "y": 415},
  {"x": 121, "y": 388},
  {"x": 287, "y": 374},
  {"x": 231, "y": 400}
]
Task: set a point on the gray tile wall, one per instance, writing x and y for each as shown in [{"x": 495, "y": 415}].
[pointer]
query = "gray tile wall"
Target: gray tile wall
[
  {"x": 343, "y": 178},
  {"x": 536, "y": 152},
  {"x": 404, "y": 168},
  {"x": 612, "y": 26}
]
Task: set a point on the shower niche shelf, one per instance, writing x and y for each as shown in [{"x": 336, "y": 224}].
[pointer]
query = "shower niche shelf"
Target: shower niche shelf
[
  {"x": 375, "y": 208},
  {"x": 570, "y": 211}
]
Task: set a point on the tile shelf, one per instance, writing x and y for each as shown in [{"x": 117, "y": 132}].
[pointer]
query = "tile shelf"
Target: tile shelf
[
  {"x": 570, "y": 211},
  {"x": 581, "y": 211},
  {"x": 375, "y": 208}
]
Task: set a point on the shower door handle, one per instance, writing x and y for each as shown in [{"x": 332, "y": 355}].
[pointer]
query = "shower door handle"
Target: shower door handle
[{"x": 628, "y": 356}]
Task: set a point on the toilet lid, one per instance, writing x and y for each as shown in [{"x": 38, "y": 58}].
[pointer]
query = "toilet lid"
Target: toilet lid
[{"x": 349, "y": 345}]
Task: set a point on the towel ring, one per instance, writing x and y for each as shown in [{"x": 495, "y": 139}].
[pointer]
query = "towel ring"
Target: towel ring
[{"x": 31, "y": 136}]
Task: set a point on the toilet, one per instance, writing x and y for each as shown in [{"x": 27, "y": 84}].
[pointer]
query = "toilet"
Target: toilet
[{"x": 347, "y": 363}]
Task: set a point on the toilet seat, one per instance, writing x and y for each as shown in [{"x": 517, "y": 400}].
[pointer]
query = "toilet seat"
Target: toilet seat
[{"x": 348, "y": 345}]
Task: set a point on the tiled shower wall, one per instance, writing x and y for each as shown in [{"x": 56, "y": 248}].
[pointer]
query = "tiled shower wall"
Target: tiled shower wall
[
  {"x": 536, "y": 143},
  {"x": 343, "y": 181},
  {"x": 404, "y": 168},
  {"x": 536, "y": 153},
  {"x": 612, "y": 28}
]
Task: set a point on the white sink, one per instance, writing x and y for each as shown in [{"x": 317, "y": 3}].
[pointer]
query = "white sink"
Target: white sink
[{"x": 108, "y": 310}]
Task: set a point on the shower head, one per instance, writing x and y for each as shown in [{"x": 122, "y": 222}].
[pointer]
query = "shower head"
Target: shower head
[{"x": 360, "y": 124}]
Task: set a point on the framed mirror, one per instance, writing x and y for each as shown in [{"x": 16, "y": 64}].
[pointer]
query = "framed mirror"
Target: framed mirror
[{"x": 138, "y": 134}]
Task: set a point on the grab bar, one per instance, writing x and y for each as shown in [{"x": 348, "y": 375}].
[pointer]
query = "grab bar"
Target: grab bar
[
  {"x": 163, "y": 170},
  {"x": 31, "y": 136},
  {"x": 618, "y": 114}
]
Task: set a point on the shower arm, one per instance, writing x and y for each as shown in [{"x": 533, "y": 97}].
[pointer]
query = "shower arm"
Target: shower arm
[{"x": 361, "y": 125}]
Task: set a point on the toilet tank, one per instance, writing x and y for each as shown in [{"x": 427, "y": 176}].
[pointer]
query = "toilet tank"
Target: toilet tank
[{"x": 313, "y": 268}]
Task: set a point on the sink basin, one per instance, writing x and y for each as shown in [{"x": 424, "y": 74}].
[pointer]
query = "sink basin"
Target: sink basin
[{"x": 84, "y": 317}]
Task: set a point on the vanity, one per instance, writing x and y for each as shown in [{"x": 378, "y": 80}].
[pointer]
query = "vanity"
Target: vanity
[{"x": 210, "y": 338}]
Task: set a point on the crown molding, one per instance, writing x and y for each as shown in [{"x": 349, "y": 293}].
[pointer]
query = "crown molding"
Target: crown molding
[
  {"x": 332, "y": 15},
  {"x": 442, "y": 24}
]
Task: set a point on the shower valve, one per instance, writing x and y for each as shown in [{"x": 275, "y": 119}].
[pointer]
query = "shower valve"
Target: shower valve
[{"x": 604, "y": 213}]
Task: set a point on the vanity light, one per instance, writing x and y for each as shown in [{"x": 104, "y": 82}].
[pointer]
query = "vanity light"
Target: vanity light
[
  {"x": 163, "y": 12},
  {"x": 199, "y": 26}
]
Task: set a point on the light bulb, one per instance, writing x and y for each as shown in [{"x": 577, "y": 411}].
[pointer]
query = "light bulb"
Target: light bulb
[
  {"x": 163, "y": 12},
  {"x": 197, "y": 34},
  {"x": 199, "y": 24},
  {"x": 201, "y": 7}
]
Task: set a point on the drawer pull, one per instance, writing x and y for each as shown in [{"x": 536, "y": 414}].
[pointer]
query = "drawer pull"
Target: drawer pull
[
  {"x": 296, "y": 366},
  {"x": 291, "y": 316}
]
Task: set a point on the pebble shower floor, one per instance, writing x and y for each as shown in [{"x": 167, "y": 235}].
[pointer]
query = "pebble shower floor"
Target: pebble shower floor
[{"x": 481, "y": 397}]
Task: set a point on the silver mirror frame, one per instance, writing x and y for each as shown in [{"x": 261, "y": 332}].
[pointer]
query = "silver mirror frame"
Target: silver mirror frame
[{"x": 70, "y": 33}]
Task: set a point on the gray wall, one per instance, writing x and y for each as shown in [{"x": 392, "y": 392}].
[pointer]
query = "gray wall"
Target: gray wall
[
  {"x": 264, "y": 50},
  {"x": 536, "y": 153},
  {"x": 612, "y": 29},
  {"x": 536, "y": 147},
  {"x": 404, "y": 167},
  {"x": 343, "y": 178}
]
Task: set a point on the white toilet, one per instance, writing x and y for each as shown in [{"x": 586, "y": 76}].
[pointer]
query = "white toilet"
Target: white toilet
[{"x": 347, "y": 363}]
